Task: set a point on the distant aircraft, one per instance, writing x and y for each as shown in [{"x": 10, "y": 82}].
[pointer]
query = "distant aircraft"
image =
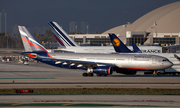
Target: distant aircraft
[
  {"x": 119, "y": 45},
  {"x": 135, "y": 48},
  {"x": 101, "y": 64},
  {"x": 68, "y": 45}
]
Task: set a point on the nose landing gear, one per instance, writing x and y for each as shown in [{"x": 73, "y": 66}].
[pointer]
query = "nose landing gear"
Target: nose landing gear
[{"x": 155, "y": 74}]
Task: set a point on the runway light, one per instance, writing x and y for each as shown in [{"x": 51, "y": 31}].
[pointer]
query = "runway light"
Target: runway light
[{"x": 24, "y": 91}]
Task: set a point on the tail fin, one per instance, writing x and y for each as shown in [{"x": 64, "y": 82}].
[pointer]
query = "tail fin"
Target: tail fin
[
  {"x": 118, "y": 44},
  {"x": 31, "y": 44},
  {"x": 62, "y": 37},
  {"x": 136, "y": 49}
]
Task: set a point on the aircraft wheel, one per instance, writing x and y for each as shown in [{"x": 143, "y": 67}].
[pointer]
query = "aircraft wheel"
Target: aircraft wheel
[
  {"x": 158, "y": 74},
  {"x": 99, "y": 75},
  {"x": 90, "y": 74},
  {"x": 104, "y": 75},
  {"x": 84, "y": 74}
]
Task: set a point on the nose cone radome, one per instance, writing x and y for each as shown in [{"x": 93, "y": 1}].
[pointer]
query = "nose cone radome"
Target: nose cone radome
[{"x": 169, "y": 64}]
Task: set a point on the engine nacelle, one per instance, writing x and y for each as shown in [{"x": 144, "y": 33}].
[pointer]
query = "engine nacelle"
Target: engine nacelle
[
  {"x": 125, "y": 71},
  {"x": 103, "y": 70}
]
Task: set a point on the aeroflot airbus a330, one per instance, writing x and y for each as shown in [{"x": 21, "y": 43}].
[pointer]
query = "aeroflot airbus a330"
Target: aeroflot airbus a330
[{"x": 101, "y": 64}]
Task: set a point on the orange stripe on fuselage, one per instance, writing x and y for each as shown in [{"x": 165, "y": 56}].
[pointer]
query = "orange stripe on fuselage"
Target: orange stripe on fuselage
[{"x": 137, "y": 68}]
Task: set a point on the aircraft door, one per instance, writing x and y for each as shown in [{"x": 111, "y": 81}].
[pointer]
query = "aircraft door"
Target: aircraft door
[
  {"x": 130, "y": 59},
  {"x": 154, "y": 60}
]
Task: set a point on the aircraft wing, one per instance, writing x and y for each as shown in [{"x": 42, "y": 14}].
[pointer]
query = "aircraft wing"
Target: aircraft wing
[
  {"x": 176, "y": 56},
  {"x": 80, "y": 62}
]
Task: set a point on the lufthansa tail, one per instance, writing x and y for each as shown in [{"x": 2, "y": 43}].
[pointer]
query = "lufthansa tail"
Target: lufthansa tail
[
  {"x": 118, "y": 44},
  {"x": 135, "y": 48},
  {"x": 62, "y": 37}
]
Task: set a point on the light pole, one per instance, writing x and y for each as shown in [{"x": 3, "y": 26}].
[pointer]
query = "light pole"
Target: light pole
[
  {"x": 0, "y": 21},
  {"x": 129, "y": 25},
  {"x": 155, "y": 24},
  {"x": 5, "y": 22},
  {"x": 76, "y": 29},
  {"x": 87, "y": 29},
  {"x": 124, "y": 26}
]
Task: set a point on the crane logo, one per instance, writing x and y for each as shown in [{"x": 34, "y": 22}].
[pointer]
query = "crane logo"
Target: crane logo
[{"x": 116, "y": 42}]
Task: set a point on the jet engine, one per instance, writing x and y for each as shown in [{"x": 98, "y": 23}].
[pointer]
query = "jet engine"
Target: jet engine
[{"x": 103, "y": 70}]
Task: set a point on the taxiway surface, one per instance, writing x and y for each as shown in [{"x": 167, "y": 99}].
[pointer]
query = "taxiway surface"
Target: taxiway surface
[
  {"x": 39, "y": 75},
  {"x": 89, "y": 100}
]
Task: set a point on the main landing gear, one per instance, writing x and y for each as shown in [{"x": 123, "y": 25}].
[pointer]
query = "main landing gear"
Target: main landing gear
[
  {"x": 88, "y": 74},
  {"x": 92, "y": 74}
]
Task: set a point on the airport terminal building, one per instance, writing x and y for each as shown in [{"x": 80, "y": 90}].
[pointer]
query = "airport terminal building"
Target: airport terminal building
[{"x": 160, "y": 26}]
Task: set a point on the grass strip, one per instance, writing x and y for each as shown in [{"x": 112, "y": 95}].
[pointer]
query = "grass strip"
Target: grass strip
[
  {"x": 97, "y": 91},
  {"x": 73, "y": 105}
]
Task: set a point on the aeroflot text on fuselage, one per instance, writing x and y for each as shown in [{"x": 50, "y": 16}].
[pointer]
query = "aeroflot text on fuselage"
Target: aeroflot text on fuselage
[
  {"x": 151, "y": 51},
  {"x": 142, "y": 56}
]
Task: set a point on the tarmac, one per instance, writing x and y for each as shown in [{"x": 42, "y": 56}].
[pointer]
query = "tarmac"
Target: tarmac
[{"x": 39, "y": 75}]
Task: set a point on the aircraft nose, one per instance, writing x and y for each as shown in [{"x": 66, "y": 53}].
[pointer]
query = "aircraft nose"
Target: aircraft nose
[{"x": 170, "y": 64}]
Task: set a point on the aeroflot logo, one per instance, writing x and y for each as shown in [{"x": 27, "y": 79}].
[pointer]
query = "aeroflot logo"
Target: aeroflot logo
[
  {"x": 116, "y": 42},
  {"x": 151, "y": 51}
]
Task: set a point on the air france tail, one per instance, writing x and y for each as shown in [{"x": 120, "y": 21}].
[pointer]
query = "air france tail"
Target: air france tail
[
  {"x": 62, "y": 37},
  {"x": 118, "y": 44},
  {"x": 31, "y": 44}
]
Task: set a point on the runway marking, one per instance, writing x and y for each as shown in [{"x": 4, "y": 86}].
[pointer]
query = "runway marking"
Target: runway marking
[
  {"x": 29, "y": 78},
  {"x": 82, "y": 82},
  {"x": 76, "y": 105},
  {"x": 20, "y": 74}
]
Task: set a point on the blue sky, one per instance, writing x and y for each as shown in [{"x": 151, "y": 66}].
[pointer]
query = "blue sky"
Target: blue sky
[{"x": 101, "y": 15}]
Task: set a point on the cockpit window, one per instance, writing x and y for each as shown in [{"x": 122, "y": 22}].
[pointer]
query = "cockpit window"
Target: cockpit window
[{"x": 164, "y": 60}]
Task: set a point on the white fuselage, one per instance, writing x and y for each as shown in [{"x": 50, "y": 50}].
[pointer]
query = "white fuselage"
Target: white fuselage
[
  {"x": 125, "y": 61},
  {"x": 109, "y": 49}
]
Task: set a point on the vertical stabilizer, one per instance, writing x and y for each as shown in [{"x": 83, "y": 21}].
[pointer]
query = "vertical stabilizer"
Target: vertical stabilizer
[
  {"x": 62, "y": 37},
  {"x": 30, "y": 43},
  {"x": 136, "y": 49},
  {"x": 118, "y": 44},
  {"x": 24, "y": 38}
]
